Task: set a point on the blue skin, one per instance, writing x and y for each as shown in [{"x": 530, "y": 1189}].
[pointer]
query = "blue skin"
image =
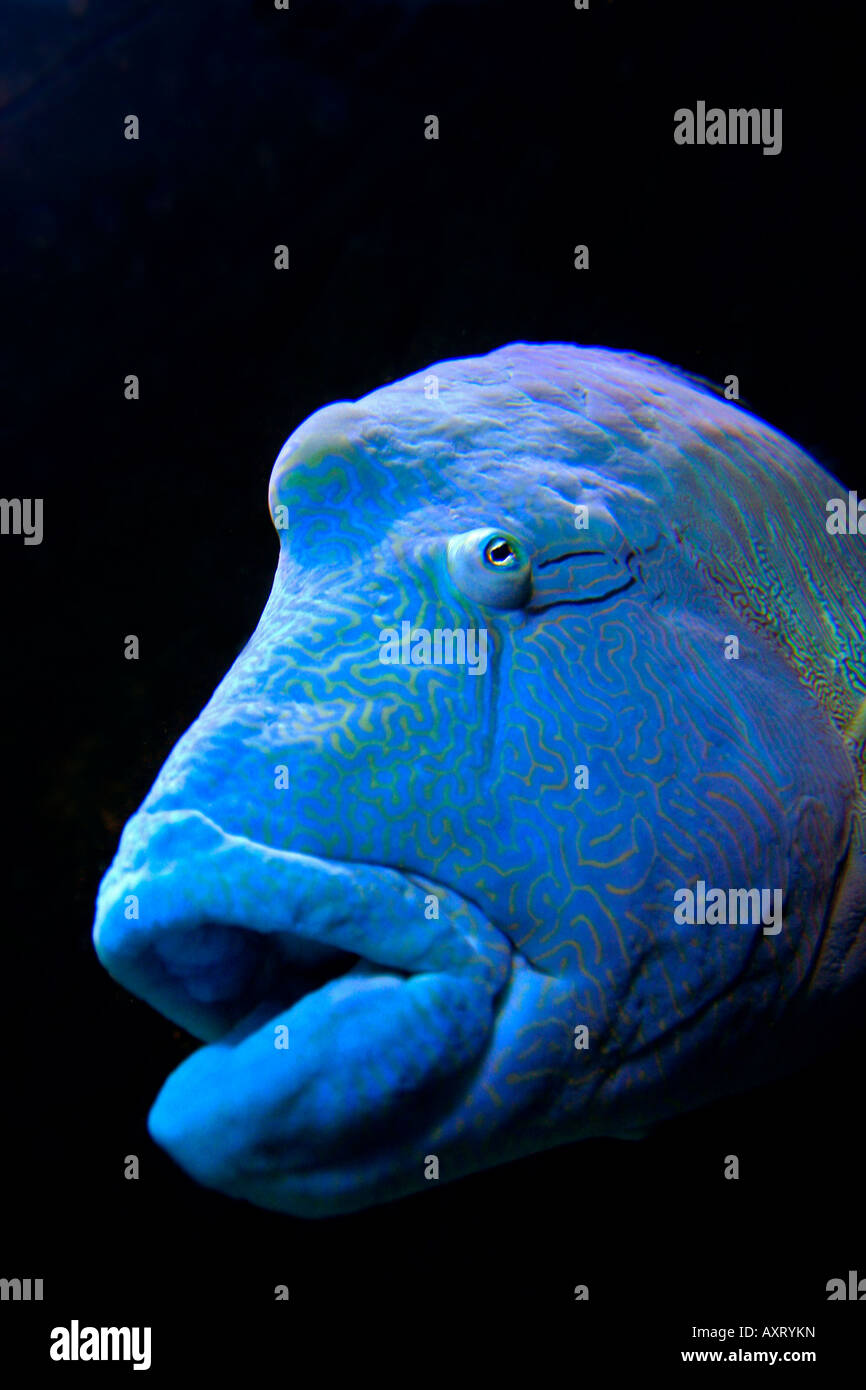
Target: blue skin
[{"x": 473, "y": 950}]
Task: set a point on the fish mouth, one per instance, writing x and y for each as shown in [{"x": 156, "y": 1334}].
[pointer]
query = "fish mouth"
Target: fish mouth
[
  {"x": 342, "y": 1013},
  {"x": 208, "y": 927}
]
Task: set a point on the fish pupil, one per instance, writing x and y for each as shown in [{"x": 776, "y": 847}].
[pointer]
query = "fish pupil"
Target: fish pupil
[{"x": 499, "y": 552}]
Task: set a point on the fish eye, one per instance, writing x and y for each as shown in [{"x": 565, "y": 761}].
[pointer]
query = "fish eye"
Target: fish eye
[
  {"x": 490, "y": 567},
  {"x": 498, "y": 552}
]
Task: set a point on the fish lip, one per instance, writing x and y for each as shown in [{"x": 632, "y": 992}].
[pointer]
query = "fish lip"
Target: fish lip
[{"x": 179, "y": 872}]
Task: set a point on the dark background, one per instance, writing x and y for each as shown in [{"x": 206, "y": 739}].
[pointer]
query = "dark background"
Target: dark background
[{"x": 156, "y": 257}]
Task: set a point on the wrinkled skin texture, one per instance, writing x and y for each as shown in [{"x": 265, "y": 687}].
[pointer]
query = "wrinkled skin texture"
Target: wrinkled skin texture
[{"x": 416, "y": 788}]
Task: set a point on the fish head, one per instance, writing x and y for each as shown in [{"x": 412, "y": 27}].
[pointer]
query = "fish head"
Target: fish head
[{"x": 422, "y": 841}]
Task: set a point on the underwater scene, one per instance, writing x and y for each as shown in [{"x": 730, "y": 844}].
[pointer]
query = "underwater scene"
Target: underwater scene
[{"x": 434, "y": 584}]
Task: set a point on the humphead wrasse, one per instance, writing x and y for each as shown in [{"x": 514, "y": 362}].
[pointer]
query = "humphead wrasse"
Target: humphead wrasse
[{"x": 533, "y": 808}]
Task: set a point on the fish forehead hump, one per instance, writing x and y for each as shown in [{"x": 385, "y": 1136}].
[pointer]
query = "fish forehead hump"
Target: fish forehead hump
[{"x": 533, "y": 429}]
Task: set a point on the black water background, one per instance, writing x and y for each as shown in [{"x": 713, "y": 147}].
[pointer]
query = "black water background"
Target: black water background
[{"x": 156, "y": 258}]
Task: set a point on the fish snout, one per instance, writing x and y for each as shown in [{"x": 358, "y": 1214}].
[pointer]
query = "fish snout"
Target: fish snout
[{"x": 387, "y": 1004}]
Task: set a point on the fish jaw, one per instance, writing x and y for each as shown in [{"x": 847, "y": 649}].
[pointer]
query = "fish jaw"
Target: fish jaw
[{"x": 351, "y": 1033}]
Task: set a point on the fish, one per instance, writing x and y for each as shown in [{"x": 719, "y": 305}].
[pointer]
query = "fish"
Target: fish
[{"x": 429, "y": 913}]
